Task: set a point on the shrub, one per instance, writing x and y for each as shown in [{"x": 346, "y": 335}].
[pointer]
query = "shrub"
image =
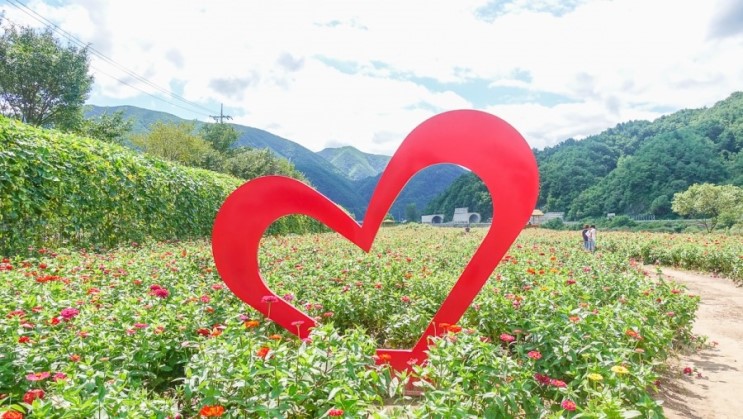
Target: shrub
[{"x": 61, "y": 190}]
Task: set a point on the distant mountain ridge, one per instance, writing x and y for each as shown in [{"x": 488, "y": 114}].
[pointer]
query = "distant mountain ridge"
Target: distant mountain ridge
[{"x": 345, "y": 175}]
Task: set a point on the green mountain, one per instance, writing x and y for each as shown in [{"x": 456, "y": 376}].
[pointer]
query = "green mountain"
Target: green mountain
[
  {"x": 340, "y": 179},
  {"x": 353, "y": 163},
  {"x": 635, "y": 167},
  {"x": 420, "y": 190}
]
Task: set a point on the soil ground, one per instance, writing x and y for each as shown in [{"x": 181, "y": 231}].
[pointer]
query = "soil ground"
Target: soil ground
[{"x": 715, "y": 388}]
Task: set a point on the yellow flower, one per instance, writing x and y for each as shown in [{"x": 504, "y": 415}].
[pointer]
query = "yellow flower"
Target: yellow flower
[
  {"x": 595, "y": 377},
  {"x": 619, "y": 369}
]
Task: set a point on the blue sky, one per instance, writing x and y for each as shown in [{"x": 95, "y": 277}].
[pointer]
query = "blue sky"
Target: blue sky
[{"x": 365, "y": 73}]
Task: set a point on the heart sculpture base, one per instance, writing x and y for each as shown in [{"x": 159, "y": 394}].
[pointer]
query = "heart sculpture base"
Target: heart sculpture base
[{"x": 481, "y": 142}]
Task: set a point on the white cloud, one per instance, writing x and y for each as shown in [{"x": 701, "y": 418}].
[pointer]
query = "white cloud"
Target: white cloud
[{"x": 268, "y": 61}]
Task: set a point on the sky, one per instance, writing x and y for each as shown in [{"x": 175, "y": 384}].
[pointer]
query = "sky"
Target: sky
[{"x": 365, "y": 73}]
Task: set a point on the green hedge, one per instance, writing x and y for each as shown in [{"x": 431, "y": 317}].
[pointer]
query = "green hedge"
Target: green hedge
[{"x": 60, "y": 190}]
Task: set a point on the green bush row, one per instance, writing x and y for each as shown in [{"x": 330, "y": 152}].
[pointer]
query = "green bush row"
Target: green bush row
[{"x": 61, "y": 190}]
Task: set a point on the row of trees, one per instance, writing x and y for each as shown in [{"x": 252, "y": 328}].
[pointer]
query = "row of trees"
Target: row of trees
[
  {"x": 212, "y": 147},
  {"x": 45, "y": 83}
]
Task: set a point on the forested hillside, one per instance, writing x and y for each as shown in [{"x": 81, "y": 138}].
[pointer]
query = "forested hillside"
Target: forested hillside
[
  {"x": 633, "y": 168},
  {"x": 355, "y": 164}
]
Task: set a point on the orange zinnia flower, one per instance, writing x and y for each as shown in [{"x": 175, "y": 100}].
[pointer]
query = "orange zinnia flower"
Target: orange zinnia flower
[{"x": 212, "y": 411}]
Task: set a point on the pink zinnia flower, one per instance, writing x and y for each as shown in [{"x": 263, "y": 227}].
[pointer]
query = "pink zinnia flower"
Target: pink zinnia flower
[
  {"x": 269, "y": 299},
  {"x": 37, "y": 376},
  {"x": 69, "y": 313},
  {"x": 505, "y": 337},
  {"x": 534, "y": 355},
  {"x": 568, "y": 405},
  {"x": 557, "y": 383}
]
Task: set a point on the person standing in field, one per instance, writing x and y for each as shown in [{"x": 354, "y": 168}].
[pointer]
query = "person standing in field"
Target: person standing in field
[
  {"x": 592, "y": 238},
  {"x": 584, "y": 233}
]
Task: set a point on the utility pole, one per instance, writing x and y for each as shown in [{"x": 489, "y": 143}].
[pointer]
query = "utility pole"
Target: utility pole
[{"x": 221, "y": 116}]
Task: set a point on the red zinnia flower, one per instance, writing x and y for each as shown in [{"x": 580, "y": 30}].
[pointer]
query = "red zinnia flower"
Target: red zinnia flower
[
  {"x": 12, "y": 414},
  {"x": 263, "y": 352},
  {"x": 160, "y": 292},
  {"x": 32, "y": 395},
  {"x": 16, "y": 313},
  {"x": 542, "y": 379},
  {"x": 212, "y": 411},
  {"x": 268, "y": 299},
  {"x": 24, "y": 339},
  {"x": 335, "y": 412}
]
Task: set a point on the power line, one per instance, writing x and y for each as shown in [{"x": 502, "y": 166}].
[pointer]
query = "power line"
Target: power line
[
  {"x": 221, "y": 115},
  {"x": 46, "y": 22}
]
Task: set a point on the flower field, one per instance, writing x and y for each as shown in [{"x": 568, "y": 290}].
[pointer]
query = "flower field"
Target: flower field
[{"x": 149, "y": 330}]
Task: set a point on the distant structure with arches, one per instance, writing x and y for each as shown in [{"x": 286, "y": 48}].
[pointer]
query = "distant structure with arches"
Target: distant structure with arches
[
  {"x": 461, "y": 216},
  {"x": 432, "y": 219}
]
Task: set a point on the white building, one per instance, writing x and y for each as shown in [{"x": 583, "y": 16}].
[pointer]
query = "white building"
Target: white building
[{"x": 463, "y": 216}]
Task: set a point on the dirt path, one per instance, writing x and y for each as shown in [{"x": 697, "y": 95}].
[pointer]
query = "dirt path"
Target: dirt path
[{"x": 715, "y": 389}]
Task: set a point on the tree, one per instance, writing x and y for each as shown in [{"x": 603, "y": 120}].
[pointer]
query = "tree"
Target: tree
[
  {"x": 222, "y": 137},
  {"x": 251, "y": 163},
  {"x": 42, "y": 82},
  {"x": 710, "y": 202},
  {"x": 176, "y": 142},
  {"x": 412, "y": 214},
  {"x": 112, "y": 128}
]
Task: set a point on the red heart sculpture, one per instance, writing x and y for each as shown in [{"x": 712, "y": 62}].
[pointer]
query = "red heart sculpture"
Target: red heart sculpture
[{"x": 481, "y": 142}]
